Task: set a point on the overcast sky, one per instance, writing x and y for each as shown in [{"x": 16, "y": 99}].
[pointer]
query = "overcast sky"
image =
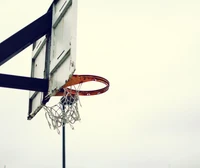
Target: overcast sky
[{"x": 149, "y": 51}]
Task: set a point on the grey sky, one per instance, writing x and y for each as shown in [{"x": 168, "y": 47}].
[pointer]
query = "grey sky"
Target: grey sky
[{"x": 149, "y": 50}]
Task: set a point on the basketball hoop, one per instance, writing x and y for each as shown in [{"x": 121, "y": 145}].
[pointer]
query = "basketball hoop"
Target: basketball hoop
[{"x": 66, "y": 110}]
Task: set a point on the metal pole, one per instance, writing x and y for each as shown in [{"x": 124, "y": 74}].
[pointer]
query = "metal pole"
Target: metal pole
[
  {"x": 63, "y": 144},
  {"x": 63, "y": 147}
]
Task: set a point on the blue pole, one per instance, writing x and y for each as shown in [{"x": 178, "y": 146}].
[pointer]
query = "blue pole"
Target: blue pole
[
  {"x": 63, "y": 143},
  {"x": 63, "y": 147}
]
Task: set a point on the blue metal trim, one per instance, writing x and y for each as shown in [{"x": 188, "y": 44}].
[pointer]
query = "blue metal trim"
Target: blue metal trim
[
  {"x": 25, "y": 37},
  {"x": 24, "y": 83}
]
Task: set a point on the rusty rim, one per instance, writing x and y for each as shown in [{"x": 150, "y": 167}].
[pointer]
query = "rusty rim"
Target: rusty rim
[{"x": 79, "y": 79}]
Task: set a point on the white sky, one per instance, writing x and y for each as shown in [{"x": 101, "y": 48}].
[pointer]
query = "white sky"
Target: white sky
[{"x": 149, "y": 51}]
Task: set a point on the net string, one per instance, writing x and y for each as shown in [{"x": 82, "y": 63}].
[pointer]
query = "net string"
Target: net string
[{"x": 65, "y": 111}]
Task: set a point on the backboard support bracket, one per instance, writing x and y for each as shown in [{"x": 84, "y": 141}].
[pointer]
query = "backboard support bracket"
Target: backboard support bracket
[
  {"x": 28, "y": 35},
  {"x": 18, "y": 42},
  {"x": 24, "y": 83}
]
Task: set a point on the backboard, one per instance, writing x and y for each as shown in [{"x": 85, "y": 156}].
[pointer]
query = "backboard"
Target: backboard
[{"x": 54, "y": 55}]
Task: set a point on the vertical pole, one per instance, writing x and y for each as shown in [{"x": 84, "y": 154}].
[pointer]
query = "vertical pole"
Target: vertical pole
[
  {"x": 63, "y": 147},
  {"x": 63, "y": 144}
]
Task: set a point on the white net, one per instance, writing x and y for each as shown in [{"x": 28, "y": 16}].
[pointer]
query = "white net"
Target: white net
[{"x": 65, "y": 111}]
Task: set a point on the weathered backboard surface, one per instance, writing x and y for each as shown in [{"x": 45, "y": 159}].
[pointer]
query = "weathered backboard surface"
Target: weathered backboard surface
[
  {"x": 38, "y": 70},
  {"x": 55, "y": 59},
  {"x": 63, "y": 42}
]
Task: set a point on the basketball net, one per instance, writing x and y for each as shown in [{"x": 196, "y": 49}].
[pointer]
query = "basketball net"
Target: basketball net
[{"x": 65, "y": 111}]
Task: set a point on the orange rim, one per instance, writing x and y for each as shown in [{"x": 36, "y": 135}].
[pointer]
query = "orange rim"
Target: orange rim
[{"x": 79, "y": 79}]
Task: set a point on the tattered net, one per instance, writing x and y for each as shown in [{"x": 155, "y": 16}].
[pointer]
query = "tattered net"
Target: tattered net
[{"x": 65, "y": 111}]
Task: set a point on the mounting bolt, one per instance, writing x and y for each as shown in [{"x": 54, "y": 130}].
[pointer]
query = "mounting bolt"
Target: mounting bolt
[{"x": 72, "y": 63}]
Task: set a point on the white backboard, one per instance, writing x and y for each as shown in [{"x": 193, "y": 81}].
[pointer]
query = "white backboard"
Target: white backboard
[
  {"x": 37, "y": 71},
  {"x": 63, "y": 42},
  {"x": 62, "y": 58}
]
